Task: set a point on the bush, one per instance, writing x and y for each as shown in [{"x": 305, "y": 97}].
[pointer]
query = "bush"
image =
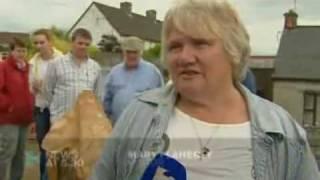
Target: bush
[
  {"x": 153, "y": 53},
  {"x": 93, "y": 51},
  {"x": 61, "y": 44}
]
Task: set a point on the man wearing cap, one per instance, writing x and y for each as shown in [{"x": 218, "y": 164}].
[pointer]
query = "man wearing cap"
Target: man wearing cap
[{"x": 132, "y": 76}]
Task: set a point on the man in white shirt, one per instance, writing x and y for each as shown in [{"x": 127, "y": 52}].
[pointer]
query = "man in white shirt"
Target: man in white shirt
[
  {"x": 69, "y": 75},
  {"x": 66, "y": 78},
  {"x": 42, "y": 40}
]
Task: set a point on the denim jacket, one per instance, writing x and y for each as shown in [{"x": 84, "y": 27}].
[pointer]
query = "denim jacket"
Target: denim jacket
[{"x": 279, "y": 145}]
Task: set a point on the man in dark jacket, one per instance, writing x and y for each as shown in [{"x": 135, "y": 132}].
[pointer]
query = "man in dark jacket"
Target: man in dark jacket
[{"x": 16, "y": 103}]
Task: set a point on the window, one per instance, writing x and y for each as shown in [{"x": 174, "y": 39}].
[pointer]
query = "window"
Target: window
[{"x": 311, "y": 109}]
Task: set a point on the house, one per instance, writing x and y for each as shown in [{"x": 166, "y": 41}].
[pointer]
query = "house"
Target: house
[
  {"x": 263, "y": 67},
  {"x": 6, "y": 38},
  {"x": 101, "y": 19},
  {"x": 296, "y": 79}
]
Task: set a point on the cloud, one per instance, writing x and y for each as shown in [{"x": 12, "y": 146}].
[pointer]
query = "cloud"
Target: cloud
[
  {"x": 33, "y": 14},
  {"x": 264, "y": 20},
  {"x": 265, "y": 37}
]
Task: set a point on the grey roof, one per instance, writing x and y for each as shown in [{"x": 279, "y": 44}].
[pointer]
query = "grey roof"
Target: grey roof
[
  {"x": 130, "y": 24},
  {"x": 6, "y": 37},
  {"x": 299, "y": 54}
]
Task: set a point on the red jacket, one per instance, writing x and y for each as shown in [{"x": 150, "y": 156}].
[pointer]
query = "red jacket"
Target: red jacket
[{"x": 16, "y": 100}]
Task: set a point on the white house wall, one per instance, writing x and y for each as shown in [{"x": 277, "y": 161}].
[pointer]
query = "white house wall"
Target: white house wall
[
  {"x": 290, "y": 95},
  {"x": 97, "y": 24},
  {"x": 261, "y": 63}
]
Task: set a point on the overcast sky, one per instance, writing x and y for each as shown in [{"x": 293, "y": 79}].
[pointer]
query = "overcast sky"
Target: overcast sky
[{"x": 263, "y": 18}]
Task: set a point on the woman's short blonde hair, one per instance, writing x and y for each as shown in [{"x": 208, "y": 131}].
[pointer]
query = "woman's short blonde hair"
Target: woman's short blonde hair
[{"x": 207, "y": 19}]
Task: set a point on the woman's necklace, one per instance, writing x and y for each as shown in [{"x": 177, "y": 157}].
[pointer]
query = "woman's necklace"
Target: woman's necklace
[{"x": 204, "y": 147}]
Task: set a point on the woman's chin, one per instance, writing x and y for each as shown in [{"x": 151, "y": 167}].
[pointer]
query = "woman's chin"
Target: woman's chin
[{"x": 189, "y": 87}]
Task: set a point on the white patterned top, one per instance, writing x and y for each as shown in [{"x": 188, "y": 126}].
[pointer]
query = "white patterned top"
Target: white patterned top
[{"x": 65, "y": 80}]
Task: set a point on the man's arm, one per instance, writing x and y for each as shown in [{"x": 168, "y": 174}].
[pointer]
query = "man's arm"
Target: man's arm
[
  {"x": 31, "y": 78},
  {"x": 98, "y": 89},
  {"x": 4, "y": 99},
  {"x": 108, "y": 95},
  {"x": 158, "y": 77},
  {"x": 250, "y": 81},
  {"x": 50, "y": 81}
]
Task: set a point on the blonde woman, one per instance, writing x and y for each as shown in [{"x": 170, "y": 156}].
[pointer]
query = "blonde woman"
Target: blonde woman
[{"x": 212, "y": 125}]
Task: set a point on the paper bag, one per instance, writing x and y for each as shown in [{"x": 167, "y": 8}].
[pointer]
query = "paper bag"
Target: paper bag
[{"x": 75, "y": 142}]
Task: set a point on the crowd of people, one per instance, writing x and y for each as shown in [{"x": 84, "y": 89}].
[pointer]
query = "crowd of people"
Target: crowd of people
[
  {"x": 44, "y": 88},
  {"x": 208, "y": 107}
]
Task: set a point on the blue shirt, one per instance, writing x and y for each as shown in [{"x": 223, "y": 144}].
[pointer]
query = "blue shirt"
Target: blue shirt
[
  {"x": 122, "y": 85},
  {"x": 250, "y": 82}
]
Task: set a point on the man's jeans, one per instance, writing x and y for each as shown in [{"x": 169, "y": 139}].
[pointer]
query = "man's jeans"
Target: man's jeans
[
  {"x": 12, "y": 151},
  {"x": 42, "y": 118}
]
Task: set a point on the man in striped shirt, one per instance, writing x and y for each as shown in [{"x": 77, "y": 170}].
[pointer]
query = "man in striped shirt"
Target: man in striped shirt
[{"x": 69, "y": 75}]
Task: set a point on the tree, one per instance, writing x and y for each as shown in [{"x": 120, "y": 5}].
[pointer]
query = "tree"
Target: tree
[
  {"x": 93, "y": 52},
  {"x": 153, "y": 53},
  {"x": 3, "y": 48},
  {"x": 109, "y": 43},
  {"x": 59, "y": 33},
  {"x": 60, "y": 39}
]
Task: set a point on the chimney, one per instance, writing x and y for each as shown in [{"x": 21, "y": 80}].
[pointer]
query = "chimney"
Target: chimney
[
  {"x": 126, "y": 7},
  {"x": 290, "y": 20},
  {"x": 151, "y": 14}
]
